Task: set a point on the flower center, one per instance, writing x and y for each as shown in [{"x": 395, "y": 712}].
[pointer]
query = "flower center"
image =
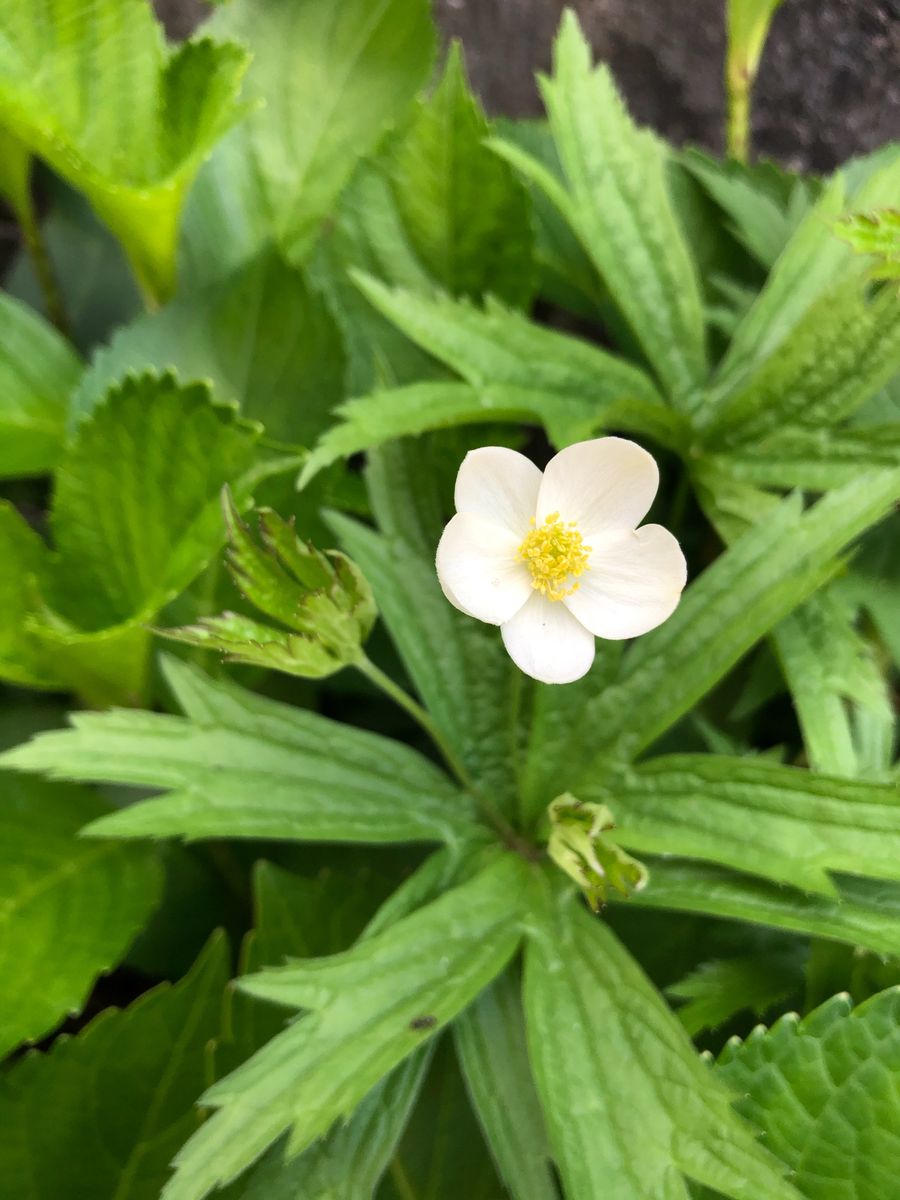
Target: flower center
[{"x": 555, "y": 555}]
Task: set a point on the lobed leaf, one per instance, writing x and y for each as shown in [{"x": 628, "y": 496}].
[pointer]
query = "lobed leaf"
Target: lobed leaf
[
  {"x": 824, "y": 1092},
  {"x": 262, "y": 336},
  {"x": 240, "y": 765},
  {"x": 102, "y": 1113},
  {"x": 719, "y": 990},
  {"x": 615, "y": 199},
  {"x": 453, "y": 195},
  {"x": 867, "y": 913},
  {"x": 136, "y": 508},
  {"x": 370, "y": 1008},
  {"x": 842, "y": 350},
  {"x": 784, "y": 823},
  {"x": 92, "y": 88},
  {"x": 629, "y": 1105},
  {"x": 813, "y": 261}
]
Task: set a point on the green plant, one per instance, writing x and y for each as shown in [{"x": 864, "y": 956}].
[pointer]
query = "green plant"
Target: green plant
[{"x": 310, "y": 748}]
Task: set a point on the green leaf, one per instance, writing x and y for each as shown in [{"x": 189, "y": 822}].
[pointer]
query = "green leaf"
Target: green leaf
[
  {"x": 748, "y": 24},
  {"x": 136, "y": 509},
  {"x": 784, "y": 823},
  {"x": 515, "y": 369},
  {"x": 261, "y": 336},
  {"x": 717, "y": 991},
  {"x": 442, "y": 1152},
  {"x": 813, "y": 261},
  {"x": 764, "y": 204},
  {"x": 835, "y": 683},
  {"x": 38, "y": 370},
  {"x": 617, "y": 203},
  {"x": 842, "y": 350},
  {"x": 367, "y": 1010},
  {"x": 324, "y": 781},
  {"x": 630, "y": 1107},
  {"x": 93, "y": 89},
  {"x": 460, "y": 670},
  {"x": 71, "y": 908},
  {"x": 102, "y": 1113},
  {"x": 757, "y": 582},
  {"x": 866, "y": 914},
  {"x": 490, "y": 1042},
  {"x": 568, "y": 278},
  {"x": 877, "y": 234},
  {"x": 825, "y": 1092},
  {"x": 817, "y": 459},
  {"x": 454, "y": 195},
  {"x": 24, "y": 556},
  {"x": 295, "y": 915},
  {"x": 353, "y": 69},
  {"x": 349, "y": 1162}
]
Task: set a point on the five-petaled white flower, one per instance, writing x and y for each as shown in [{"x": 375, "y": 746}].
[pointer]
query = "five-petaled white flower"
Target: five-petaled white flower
[{"x": 556, "y": 559}]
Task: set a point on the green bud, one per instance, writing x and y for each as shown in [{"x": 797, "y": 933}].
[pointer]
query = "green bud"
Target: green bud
[
  {"x": 321, "y": 601},
  {"x": 578, "y": 846}
]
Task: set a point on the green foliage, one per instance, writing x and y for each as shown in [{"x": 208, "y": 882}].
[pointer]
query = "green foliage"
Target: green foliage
[
  {"x": 71, "y": 908},
  {"x": 353, "y": 71},
  {"x": 324, "y": 781},
  {"x": 877, "y": 234},
  {"x": 263, "y": 336},
  {"x": 824, "y": 1091},
  {"x": 615, "y": 200},
  {"x": 138, "y": 532},
  {"x": 134, "y": 1073},
  {"x": 135, "y": 517},
  {"x": 717, "y": 991},
  {"x": 867, "y": 912},
  {"x": 453, "y": 195},
  {"x": 757, "y": 582},
  {"x": 490, "y": 1039},
  {"x": 92, "y": 88},
  {"x": 514, "y": 369},
  {"x": 366, "y": 1010},
  {"x": 631, "y": 1072},
  {"x": 458, "y": 670},
  {"x": 368, "y": 265},
  {"x": 755, "y": 816},
  {"x": 37, "y": 371}
]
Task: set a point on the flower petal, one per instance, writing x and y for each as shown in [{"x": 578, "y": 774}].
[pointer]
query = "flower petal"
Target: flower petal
[
  {"x": 499, "y": 485},
  {"x": 607, "y": 483},
  {"x": 477, "y": 568},
  {"x": 632, "y": 584},
  {"x": 546, "y": 642}
]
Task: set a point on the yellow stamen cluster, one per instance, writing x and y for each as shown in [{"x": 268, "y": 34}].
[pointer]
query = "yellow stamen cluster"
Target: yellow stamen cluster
[{"x": 555, "y": 556}]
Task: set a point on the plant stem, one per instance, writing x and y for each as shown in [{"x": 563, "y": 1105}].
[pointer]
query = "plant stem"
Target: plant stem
[
  {"x": 423, "y": 719},
  {"x": 738, "y": 129}
]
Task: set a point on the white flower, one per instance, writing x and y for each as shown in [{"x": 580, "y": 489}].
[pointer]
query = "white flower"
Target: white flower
[{"x": 555, "y": 559}]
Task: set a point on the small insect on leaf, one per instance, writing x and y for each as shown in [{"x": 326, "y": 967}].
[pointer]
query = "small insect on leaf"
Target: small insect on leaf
[{"x": 426, "y": 1022}]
